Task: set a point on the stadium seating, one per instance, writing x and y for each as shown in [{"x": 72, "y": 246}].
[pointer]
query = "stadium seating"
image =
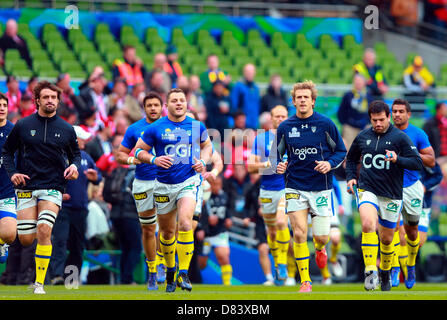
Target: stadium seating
[{"x": 326, "y": 60}]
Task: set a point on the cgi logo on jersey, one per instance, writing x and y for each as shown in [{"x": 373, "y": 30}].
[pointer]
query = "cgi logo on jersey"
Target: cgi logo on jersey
[
  {"x": 378, "y": 161},
  {"x": 303, "y": 152}
]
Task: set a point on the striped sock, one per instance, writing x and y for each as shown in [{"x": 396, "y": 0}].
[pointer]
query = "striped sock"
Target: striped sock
[
  {"x": 386, "y": 255},
  {"x": 42, "y": 259},
  {"x": 168, "y": 249},
  {"x": 413, "y": 249},
  {"x": 227, "y": 273},
  {"x": 301, "y": 252},
  {"x": 185, "y": 249},
  {"x": 370, "y": 248},
  {"x": 282, "y": 240},
  {"x": 396, "y": 243},
  {"x": 151, "y": 266},
  {"x": 273, "y": 245}
]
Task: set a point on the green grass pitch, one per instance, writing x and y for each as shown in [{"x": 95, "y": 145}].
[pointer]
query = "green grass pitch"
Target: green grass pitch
[{"x": 349, "y": 291}]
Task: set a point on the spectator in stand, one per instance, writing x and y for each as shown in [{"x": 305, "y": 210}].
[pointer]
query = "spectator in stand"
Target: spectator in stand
[
  {"x": 11, "y": 40},
  {"x": 237, "y": 187},
  {"x": 157, "y": 83},
  {"x": 372, "y": 72},
  {"x": 171, "y": 66},
  {"x": 160, "y": 60},
  {"x": 214, "y": 73},
  {"x": 94, "y": 98},
  {"x": 196, "y": 99},
  {"x": 435, "y": 13},
  {"x": 417, "y": 79},
  {"x": 32, "y": 82},
  {"x": 106, "y": 163},
  {"x": 121, "y": 103},
  {"x": 436, "y": 129},
  {"x": 26, "y": 107},
  {"x": 353, "y": 110},
  {"x": 130, "y": 68},
  {"x": 218, "y": 108},
  {"x": 68, "y": 99},
  {"x": 275, "y": 94},
  {"x": 100, "y": 144},
  {"x": 245, "y": 96},
  {"x": 13, "y": 94}
]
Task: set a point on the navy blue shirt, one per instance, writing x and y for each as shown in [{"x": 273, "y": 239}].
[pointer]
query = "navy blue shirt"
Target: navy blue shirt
[
  {"x": 6, "y": 186},
  {"x": 315, "y": 138},
  {"x": 77, "y": 189}
]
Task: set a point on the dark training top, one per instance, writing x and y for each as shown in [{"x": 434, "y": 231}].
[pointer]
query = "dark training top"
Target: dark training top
[
  {"x": 45, "y": 148},
  {"x": 383, "y": 178}
]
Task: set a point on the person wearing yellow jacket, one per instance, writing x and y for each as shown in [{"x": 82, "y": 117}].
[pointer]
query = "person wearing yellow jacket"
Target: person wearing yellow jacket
[
  {"x": 417, "y": 78},
  {"x": 372, "y": 72}
]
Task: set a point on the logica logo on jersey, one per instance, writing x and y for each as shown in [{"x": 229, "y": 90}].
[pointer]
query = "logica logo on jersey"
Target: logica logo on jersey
[
  {"x": 378, "y": 161},
  {"x": 303, "y": 152}
]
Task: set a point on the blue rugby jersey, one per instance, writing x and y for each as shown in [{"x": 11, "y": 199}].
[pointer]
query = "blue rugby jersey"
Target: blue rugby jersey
[
  {"x": 144, "y": 171},
  {"x": 420, "y": 141},
  {"x": 181, "y": 140},
  {"x": 261, "y": 147},
  {"x": 306, "y": 141},
  {"x": 6, "y": 186}
]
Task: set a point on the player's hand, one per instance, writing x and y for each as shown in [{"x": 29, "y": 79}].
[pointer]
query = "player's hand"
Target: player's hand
[
  {"x": 208, "y": 176},
  {"x": 351, "y": 184},
  {"x": 66, "y": 197},
  {"x": 71, "y": 173},
  {"x": 341, "y": 210},
  {"x": 164, "y": 162},
  {"x": 91, "y": 174},
  {"x": 281, "y": 168},
  {"x": 322, "y": 167},
  {"x": 200, "y": 235},
  {"x": 390, "y": 156},
  {"x": 228, "y": 223},
  {"x": 246, "y": 222},
  {"x": 213, "y": 220},
  {"x": 19, "y": 179},
  {"x": 199, "y": 166}
]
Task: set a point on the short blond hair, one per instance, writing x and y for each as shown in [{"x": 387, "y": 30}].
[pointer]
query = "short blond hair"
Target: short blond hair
[{"x": 306, "y": 84}]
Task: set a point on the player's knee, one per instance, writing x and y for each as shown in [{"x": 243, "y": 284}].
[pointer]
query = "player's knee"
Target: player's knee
[
  {"x": 26, "y": 239},
  {"x": 368, "y": 225},
  {"x": 185, "y": 225},
  {"x": 9, "y": 236}
]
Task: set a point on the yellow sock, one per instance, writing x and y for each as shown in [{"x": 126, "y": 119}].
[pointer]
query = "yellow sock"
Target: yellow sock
[
  {"x": 403, "y": 259},
  {"x": 291, "y": 266},
  {"x": 151, "y": 265},
  {"x": 386, "y": 255},
  {"x": 185, "y": 249},
  {"x": 319, "y": 246},
  {"x": 301, "y": 252},
  {"x": 282, "y": 240},
  {"x": 413, "y": 248},
  {"x": 396, "y": 243},
  {"x": 325, "y": 272},
  {"x": 227, "y": 273},
  {"x": 159, "y": 259},
  {"x": 335, "y": 249},
  {"x": 42, "y": 258},
  {"x": 273, "y": 245},
  {"x": 168, "y": 249},
  {"x": 370, "y": 248}
]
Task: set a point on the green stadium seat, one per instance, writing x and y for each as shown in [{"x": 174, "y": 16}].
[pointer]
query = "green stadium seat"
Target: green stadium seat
[{"x": 136, "y": 7}]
